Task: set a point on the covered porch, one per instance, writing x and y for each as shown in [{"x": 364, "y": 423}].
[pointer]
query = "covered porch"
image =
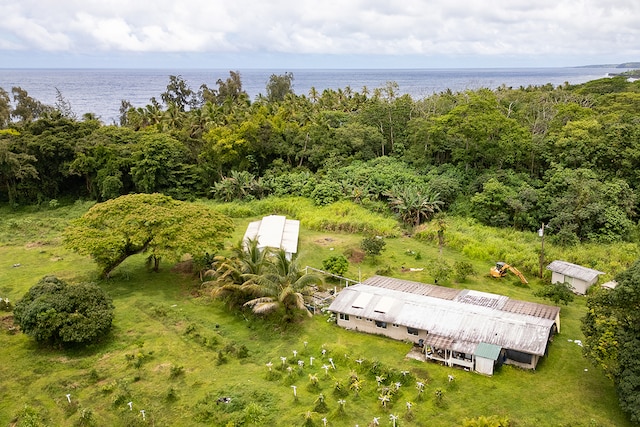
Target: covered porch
[{"x": 446, "y": 351}]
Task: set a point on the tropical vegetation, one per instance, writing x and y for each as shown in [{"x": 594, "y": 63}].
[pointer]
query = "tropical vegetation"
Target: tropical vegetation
[
  {"x": 474, "y": 173},
  {"x": 174, "y": 349},
  {"x": 54, "y": 312}
]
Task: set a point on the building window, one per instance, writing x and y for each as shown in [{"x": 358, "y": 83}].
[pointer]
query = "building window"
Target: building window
[
  {"x": 380, "y": 324},
  {"x": 359, "y": 317},
  {"x": 395, "y": 325},
  {"x": 369, "y": 320},
  {"x": 344, "y": 317},
  {"x": 412, "y": 331}
]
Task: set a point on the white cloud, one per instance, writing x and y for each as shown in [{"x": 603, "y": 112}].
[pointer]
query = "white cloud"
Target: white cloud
[{"x": 354, "y": 27}]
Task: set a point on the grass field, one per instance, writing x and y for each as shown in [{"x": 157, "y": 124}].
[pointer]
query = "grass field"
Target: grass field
[{"x": 173, "y": 352}]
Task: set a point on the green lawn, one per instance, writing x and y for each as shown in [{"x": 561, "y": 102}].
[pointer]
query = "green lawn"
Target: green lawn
[{"x": 173, "y": 352}]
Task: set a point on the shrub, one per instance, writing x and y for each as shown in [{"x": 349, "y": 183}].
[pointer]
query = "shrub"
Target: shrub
[
  {"x": 439, "y": 397},
  {"x": 326, "y": 192},
  {"x": 31, "y": 417},
  {"x": 320, "y": 405},
  {"x": 176, "y": 371},
  {"x": 221, "y": 359},
  {"x": 482, "y": 421},
  {"x": 462, "y": 269},
  {"x": 57, "y": 313},
  {"x": 373, "y": 245},
  {"x": 556, "y": 292},
  {"x": 440, "y": 270},
  {"x": 242, "y": 352},
  {"x": 171, "y": 395},
  {"x": 86, "y": 418},
  {"x": 336, "y": 264}
]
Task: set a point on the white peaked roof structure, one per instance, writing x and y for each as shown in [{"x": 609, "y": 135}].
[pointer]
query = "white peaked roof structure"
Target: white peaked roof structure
[
  {"x": 275, "y": 231},
  {"x": 578, "y": 277},
  {"x": 574, "y": 270}
]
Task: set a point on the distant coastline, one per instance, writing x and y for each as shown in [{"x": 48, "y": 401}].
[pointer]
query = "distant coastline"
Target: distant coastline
[
  {"x": 101, "y": 91},
  {"x": 623, "y": 65}
]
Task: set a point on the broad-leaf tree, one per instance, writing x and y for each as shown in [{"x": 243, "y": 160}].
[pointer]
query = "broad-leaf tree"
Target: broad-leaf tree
[
  {"x": 161, "y": 163},
  {"x": 27, "y": 108},
  {"x": 55, "y": 312},
  {"x": 164, "y": 228},
  {"x": 279, "y": 86},
  {"x": 178, "y": 94},
  {"x": 5, "y": 109},
  {"x": 612, "y": 336},
  {"x": 14, "y": 167}
]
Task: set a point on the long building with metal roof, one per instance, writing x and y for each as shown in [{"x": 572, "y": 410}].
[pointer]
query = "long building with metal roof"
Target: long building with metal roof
[{"x": 453, "y": 326}]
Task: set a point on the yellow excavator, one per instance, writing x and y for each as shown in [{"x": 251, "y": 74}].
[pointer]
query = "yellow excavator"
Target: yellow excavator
[{"x": 501, "y": 269}]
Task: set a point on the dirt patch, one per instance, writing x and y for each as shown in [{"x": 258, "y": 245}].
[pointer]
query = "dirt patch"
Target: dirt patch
[
  {"x": 56, "y": 258},
  {"x": 33, "y": 245},
  {"x": 162, "y": 367},
  {"x": 183, "y": 267},
  {"x": 6, "y": 324},
  {"x": 356, "y": 256},
  {"x": 326, "y": 241},
  {"x": 416, "y": 353}
]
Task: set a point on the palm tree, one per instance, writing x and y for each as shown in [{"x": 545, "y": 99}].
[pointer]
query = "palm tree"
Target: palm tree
[
  {"x": 284, "y": 287},
  {"x": 231, "y": 274}
]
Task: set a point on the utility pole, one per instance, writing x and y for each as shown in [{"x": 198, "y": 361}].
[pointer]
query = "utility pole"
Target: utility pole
[{"x": 541, "y": 234}]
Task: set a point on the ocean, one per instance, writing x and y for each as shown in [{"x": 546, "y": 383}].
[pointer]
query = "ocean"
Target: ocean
[{"x": 100, "y": 91}]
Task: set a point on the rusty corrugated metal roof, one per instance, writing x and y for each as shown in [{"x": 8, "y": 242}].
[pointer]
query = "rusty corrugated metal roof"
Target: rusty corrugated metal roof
[
  {"x": 469, "y": 317},
  {"x": 412, "y": 287}
]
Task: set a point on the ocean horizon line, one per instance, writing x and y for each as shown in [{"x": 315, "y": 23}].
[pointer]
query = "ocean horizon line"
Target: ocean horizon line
[{"x": 310, "y": 68}]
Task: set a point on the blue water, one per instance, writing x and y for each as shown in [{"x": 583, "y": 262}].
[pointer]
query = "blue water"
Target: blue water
[{"x": 100, "y": 91}]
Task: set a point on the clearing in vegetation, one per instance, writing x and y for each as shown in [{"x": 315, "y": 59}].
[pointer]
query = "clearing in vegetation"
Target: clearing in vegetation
[{"x": 186, "y": 359}]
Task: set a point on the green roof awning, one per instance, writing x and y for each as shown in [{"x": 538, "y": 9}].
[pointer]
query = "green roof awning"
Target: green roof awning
[{"x": 488, "y": 351}]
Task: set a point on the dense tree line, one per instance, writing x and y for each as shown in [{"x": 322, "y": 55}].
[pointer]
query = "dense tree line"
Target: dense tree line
[
  {"x": 612, "y": 330},
  {"x": 567, "y": 156}
]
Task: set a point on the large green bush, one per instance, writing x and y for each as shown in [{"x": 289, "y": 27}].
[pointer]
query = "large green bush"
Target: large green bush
[
  {"x": 55, "y": 312},
  {"x": 373, "y": 246},
  {"x": 336, "y": 264}
]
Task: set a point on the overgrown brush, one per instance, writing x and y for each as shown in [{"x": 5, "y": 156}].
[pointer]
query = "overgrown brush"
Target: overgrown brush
[
  {"x": 522, "y": 248},
  {"x": 343, "y": 216},
  {"x": 38, "y": 223}
]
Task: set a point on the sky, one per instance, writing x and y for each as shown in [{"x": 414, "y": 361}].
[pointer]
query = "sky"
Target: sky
[{"x": 298, "y": 34}]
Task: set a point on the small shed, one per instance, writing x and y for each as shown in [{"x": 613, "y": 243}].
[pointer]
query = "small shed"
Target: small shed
[
  {"x": 275, "y": 231},
  {"x": 578, "y": 277},
  {"x": 487, "y": 356}
]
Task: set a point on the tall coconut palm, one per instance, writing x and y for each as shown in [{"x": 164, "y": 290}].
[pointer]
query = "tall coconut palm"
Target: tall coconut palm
[{"x": 283, "y": 287}]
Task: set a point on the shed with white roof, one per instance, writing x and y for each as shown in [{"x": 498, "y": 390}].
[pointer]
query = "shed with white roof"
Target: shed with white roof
[
  {"x": 578, "y": 277},
  {"x": 275, "y": 231}
]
